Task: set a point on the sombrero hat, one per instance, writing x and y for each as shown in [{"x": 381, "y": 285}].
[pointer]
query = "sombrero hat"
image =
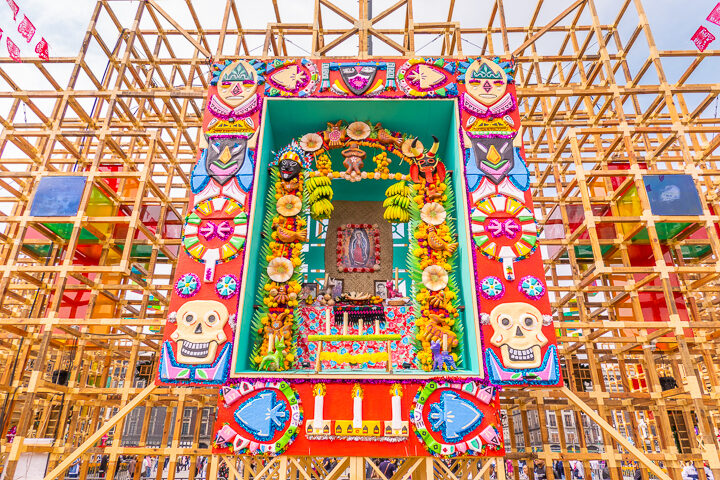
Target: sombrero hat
[
  {"x": 412, "y": 147},
  {"x": 353, "y": 151}
]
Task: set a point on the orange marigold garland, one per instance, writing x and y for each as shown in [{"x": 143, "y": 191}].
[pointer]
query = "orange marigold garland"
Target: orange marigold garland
[
  {"x": 438, "y": 331},
  {"x": 285, "y": 232}
]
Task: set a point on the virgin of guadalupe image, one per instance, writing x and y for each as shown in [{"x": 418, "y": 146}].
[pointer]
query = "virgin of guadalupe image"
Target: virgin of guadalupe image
[{"x": 359, "y": 249}]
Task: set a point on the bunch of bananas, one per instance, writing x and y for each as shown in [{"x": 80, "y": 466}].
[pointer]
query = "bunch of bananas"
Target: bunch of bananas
[
  {"x": 397, "y": 203},
  {"x": 320, "y": 193}
]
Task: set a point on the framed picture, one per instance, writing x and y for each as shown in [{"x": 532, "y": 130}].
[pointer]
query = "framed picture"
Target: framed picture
[
  {"x": 358, "y": 248},
  {"x": 337, "y": 286},
  {"x": 308, "y": 293},
  {"x": 381, "y": 288}
]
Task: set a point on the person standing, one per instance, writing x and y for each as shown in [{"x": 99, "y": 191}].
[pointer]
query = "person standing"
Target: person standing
[
  {"x": 147, "y": 466},
  {"x": 524, "y": 472},
  {"x": 387, "y": 467},
  {"x": 689, "y": 472},
  {"x": 74, "y": 470},
  {"x": 539, "y": 470},
  {"x": 131, "y": 467},
  {"x": 103, "y": 466}
]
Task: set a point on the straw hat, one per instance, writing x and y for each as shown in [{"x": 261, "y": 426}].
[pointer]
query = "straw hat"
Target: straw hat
[{"x": 407, "y": 147}]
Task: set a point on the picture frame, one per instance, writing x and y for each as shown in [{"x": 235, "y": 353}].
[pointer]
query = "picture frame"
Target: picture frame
[
  {"x": 337, "y": 286},
  {"x": 381, "y": 289},
  {"x": 358, "y": 248},
  {"x": 308, "y": 290}
]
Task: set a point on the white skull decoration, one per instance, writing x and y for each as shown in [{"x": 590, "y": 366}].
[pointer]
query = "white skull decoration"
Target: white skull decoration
[
  {"x": 199, "y": 331},
  {"x": 517, "y": 330}
]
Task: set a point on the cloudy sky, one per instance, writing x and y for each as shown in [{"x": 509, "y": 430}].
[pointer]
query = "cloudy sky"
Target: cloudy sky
[{"x": 63, "y": 23}]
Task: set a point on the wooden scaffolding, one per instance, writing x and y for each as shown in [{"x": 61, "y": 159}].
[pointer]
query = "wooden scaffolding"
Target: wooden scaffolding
[{"x": 635, "y": 293}]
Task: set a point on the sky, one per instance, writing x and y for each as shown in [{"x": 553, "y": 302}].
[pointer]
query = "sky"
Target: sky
[{"x": 63, "y": 23}]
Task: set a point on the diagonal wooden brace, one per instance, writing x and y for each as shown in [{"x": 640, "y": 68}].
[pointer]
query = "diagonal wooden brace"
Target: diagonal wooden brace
[
  {"x": 614, "y": 433},
  {"x": 62, "y": 466}
]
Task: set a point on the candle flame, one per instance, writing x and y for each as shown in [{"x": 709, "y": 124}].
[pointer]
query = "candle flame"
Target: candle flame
[
  {"x": 319, "y": 390},
  {"x": 396, "y": 390},
  {"x": 357, "y": 391}
]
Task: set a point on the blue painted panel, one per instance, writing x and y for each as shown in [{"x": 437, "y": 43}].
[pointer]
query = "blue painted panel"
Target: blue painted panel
[
  {"x": 58, "y": 196},
  {"x": 672, "y": 195}
]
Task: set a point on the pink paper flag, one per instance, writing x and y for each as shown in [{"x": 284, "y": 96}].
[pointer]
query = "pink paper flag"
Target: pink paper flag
[
  {"x": 15, "y": 9},
  {"x": 714, "y": 16},
  {"x": 26, "y": 29},
  {"x": 42, "y": 49},
  {"x": 13, "y": 50},
  {"x": 702, "y": 38}
]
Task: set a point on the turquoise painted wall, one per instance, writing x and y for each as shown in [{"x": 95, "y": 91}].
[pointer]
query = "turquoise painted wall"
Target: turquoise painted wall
[{"x": 285, "y": 119}]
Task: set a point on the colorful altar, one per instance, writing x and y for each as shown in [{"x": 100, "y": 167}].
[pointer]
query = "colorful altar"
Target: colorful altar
[{"x": 354, "y": 270}]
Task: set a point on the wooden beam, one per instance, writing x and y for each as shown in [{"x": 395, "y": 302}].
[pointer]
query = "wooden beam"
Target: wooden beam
[
  {"x": 95, "y": 437},
  {"x": 547, "y": 27},
  {"x": 177, "y": 26},
  {"x": 577, "y": 401}
]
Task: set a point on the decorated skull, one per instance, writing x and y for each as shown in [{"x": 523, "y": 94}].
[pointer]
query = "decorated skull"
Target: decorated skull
[
  {"x": 199, "y": 331},
  {"x": 517, "y": 330}
]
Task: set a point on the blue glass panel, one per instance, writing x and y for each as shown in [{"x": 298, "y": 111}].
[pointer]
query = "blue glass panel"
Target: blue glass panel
[
  {"x": 672, "y": 195},
  {"x": 58, "y": 196}
]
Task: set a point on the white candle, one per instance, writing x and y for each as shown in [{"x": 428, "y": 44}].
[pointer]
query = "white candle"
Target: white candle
[
  {"x": 396, "y": 423},
  {"x": 319, "y": 392},
  {"x": 318, "y": 420},
  {"x": 396, "y": 392},
  {"x": 357, "y": 406}
]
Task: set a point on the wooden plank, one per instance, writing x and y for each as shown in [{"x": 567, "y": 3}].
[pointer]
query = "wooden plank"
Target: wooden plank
[
  {"x": 177, "y": 27},
  {"x": 657, "y": 471},
  {"x": 547, "y": 27},
  {"x": 95, "y": 437}
]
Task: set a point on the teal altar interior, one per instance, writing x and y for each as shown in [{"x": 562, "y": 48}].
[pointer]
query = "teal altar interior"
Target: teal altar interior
[{"x": 288, "y": 119}]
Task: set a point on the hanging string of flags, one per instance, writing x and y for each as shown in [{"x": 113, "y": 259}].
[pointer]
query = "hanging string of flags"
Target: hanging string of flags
[
  {"x": 20, "y": 36},
  {"x": 702, "y": 36}
]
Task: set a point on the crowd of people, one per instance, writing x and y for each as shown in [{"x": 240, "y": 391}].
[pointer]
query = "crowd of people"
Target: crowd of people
[{"x": 127, "y": 466}]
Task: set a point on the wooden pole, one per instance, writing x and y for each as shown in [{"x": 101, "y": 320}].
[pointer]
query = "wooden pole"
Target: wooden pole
[
  {"x": 95, "y": 437},
  {"x": 657, "y": 471}
]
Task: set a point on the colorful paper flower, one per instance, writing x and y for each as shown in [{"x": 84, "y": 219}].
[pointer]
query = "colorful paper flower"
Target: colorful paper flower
[
  {"x": 311, "y": 142},
  {"x": 358, "y": 130},
  {"x": 187, "y": 285},
  {"x": 289, "y": 205},
  {"x": 280, "y": 269},
  {"x": 227, "y": 286},
  {"x": 492, "y": 288},
  {"x": 433, "y": 213},
  {"x": 532, "y": 287},
  {"x": 435, "y": 278}
]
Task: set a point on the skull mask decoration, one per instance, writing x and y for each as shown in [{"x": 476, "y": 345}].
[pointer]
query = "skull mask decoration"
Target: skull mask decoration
[
  {"x": 517, "y": 330},
  {"x": 486, "y": 81},
  {"x": 426, "y": 165},
  {"x": 289, "y": 169},
  {"x": 225, "y": 157},
  {"x": 358, "y": 77},
  {"x": 494, "y": 157},
  {"x": 199, "y": 331},
  {"x": 237, "y": 83}
]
